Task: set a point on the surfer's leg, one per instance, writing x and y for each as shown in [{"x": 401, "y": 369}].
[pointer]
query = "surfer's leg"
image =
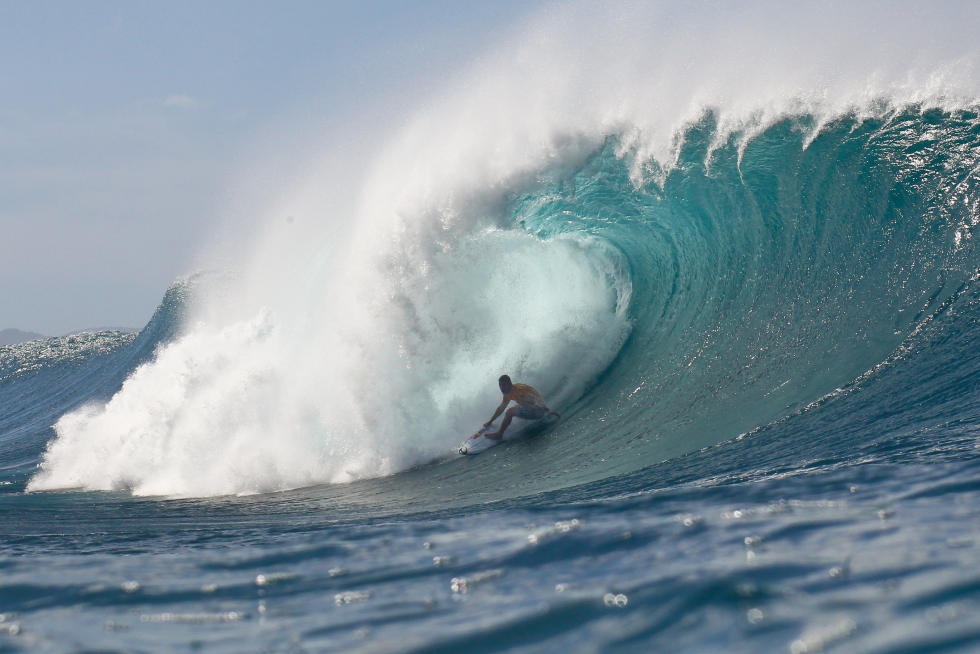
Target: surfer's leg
[{"x": 511, "y": 412}]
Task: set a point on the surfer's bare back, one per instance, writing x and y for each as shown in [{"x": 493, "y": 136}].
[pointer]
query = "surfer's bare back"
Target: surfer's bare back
[{"x": 530, "y": 406}]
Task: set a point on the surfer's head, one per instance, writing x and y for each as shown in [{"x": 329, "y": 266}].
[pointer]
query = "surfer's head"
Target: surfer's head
[{"x": 505, "y": 384}]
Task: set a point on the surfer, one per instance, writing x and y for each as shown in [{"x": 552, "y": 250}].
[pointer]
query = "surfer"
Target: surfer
[{"x": 530, "y": 406}]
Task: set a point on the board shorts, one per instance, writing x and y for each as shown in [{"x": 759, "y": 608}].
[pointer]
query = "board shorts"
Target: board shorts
[{"x": 531, "y": 412}]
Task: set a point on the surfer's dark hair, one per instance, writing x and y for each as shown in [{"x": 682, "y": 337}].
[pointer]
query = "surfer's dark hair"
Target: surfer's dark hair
[{"x": 505, "y": 379}]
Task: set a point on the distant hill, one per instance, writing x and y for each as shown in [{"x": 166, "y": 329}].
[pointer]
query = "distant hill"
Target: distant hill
[
  {"x": 11, "y": 336},
  {"x": 92, "y": 330}
]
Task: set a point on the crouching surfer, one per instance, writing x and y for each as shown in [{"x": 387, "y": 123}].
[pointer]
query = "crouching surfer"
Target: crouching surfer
[{"x": 530, "y": 406}]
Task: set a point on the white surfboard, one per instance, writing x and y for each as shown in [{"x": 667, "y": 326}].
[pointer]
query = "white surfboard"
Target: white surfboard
[{"x": 478, "y": 442}]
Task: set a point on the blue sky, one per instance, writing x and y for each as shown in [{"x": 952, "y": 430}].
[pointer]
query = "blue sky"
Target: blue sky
[{"x": 122, "y": 125}]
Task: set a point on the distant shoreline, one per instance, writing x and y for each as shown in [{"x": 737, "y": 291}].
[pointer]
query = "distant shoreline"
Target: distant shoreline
[{"x": 14, "y": 336}]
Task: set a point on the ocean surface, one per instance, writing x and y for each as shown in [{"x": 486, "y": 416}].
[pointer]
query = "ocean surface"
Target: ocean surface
[{"x": 763, "y": 347}]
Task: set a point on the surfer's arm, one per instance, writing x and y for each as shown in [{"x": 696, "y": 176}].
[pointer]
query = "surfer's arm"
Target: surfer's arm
[{"x": 500, "y": 409}]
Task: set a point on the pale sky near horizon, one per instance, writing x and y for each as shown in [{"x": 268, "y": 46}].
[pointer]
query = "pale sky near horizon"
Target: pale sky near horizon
[{"x": 122, "y": 124}]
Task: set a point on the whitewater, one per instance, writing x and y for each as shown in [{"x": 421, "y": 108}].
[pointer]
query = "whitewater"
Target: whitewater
[{"x": 736, "y": 250}]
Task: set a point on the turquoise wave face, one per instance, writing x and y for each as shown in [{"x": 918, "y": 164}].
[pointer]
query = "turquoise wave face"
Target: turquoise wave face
[{"x": 766, "y": 273}]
